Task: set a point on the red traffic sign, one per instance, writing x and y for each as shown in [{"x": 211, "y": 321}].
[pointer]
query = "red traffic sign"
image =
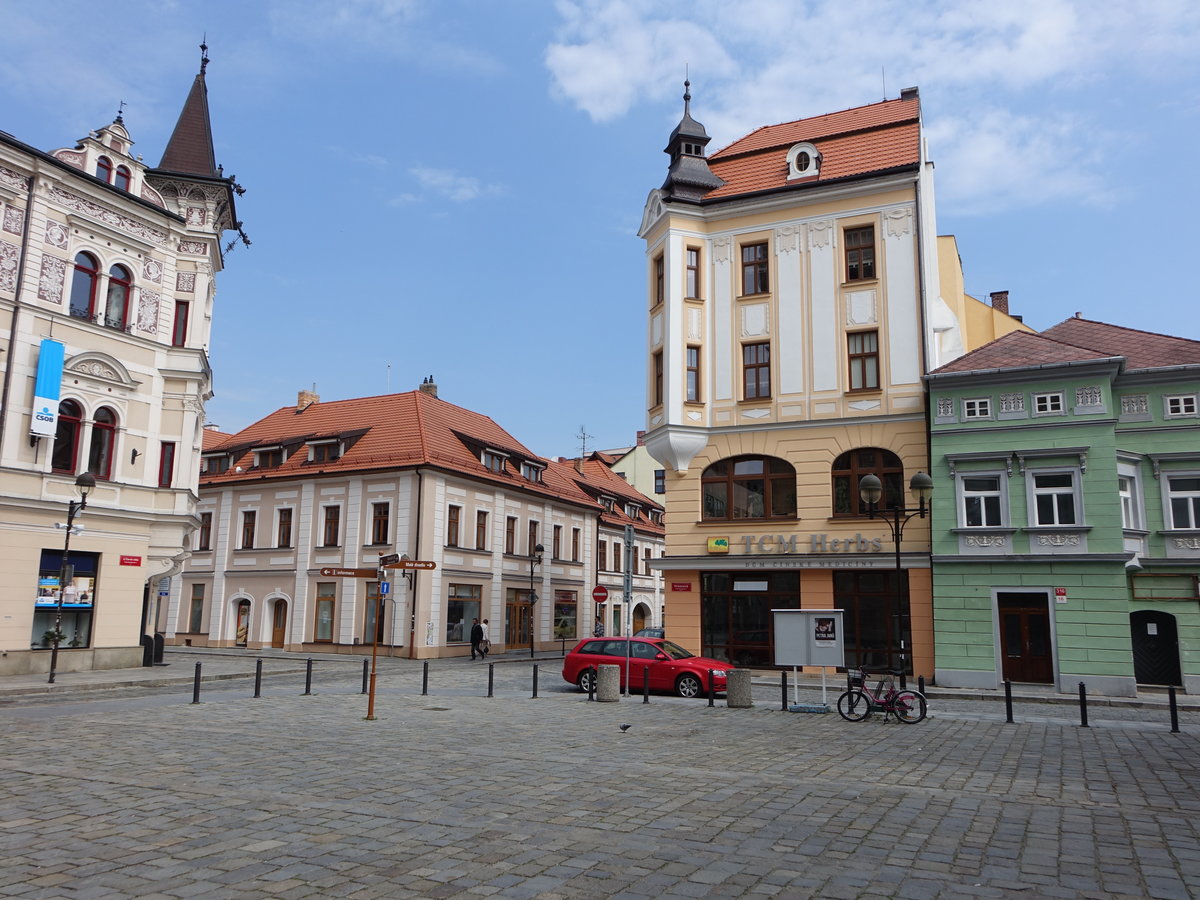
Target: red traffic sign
[
  {"x": 412, "y": 564},
  {"x": 600, "y": 593},
  {"x": 350, "y": 573}
]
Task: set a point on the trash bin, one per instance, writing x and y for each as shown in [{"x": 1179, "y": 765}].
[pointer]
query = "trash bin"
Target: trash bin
[
  {"x": 737, "y": 689},
  {"x": 608, "y": 683}
]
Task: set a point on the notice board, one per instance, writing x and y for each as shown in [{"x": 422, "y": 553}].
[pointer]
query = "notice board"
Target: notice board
[{"x": 808, "y": 637}]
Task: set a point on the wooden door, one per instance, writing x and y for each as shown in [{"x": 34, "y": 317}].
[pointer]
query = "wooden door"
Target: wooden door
[
  {"x": 279, "y": 624},
  {"x": 517, "y": 620},
  {"x": 1025, "y": 646},
  {"x": 639, "y": 618}
]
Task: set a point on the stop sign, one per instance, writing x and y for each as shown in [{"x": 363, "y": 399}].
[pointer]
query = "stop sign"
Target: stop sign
[{"x": 600, "y": 593}]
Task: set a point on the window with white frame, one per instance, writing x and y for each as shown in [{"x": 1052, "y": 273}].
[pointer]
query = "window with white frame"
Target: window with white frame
[
  {"x": 1130, "y": 511},
  {"x": 1183, "y": 497},
  {"x": 530, "y": 472},
  {"x": 1048, "y": 404},
  {"x": 982, "y": 501},
  {"x": 493, "y": 461},
  {"x": 977, "y": 408},
  {"x": 1055, "y": 500},
  {"x": 1180, "y": 405}
]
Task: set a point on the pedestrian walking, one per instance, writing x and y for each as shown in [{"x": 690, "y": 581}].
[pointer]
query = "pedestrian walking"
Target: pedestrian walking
[
  {"x": 486, "y": 643},
  {"x": 476, "y": 638}
]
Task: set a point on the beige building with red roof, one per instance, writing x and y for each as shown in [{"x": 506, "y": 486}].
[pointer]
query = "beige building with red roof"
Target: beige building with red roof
[
  {"x": 324, "y": 488},
  {"x": 796, "y": 299},
  {"x": 107, "y": 287}
]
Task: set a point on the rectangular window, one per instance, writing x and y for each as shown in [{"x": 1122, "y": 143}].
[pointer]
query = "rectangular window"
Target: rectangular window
[
  {"x": 204, "y": 541},
  {"x": 452, "y": 519},
  {"x": 462, "y": 609},
  {"x": 196, "y": 611},
  {"x": 658, "y": 378},
  {"x": 530, "y": 472},
  {"x": 755, "y": 279},
  {"x": 693, "y": 374},
  {"x": 977, "y": 408},
  {"x": 166, "y": 464},
  {"x": 660, "y": 481},
  {"x": 982, "y": 501},
  {"x": 533, "y": 538},
  {"x": 860, "y": 253},
  {"x": 1048, "y": 404},
  {"x": 556, "y": 551},
  {"x": 180, "y": 326},
  {"x": 481, "y": 518},
  {"x": 510, "y": 535},
  {"x": 1181, "y": 405},
  {"x": 617, "y": 561},
  {"x": 326, "y": 452},
  {"x": 574, "y": 545},
  {"x": 1054, "y": 498},
  {"x": 693, "y": 273},
  {"x": 326, "y": 597},
  {"x": 646, "y": 563},
  {"x": 564, "y": 615},
  {"x": 494, "y": 462},
  {"x": 602, "y": 560},
  {"x": 756, "y": 371},
  {"x": 1183, "y": 495},
  {"x": 249, "y": 520},
  {"x": 333, "y": 523},
  {"x": 283, "y": 531},
  {"x": 659, "y": 280},
  {"x": 381, "y": 522},
  {"x": 269, "y": 459},
  {"x": 862, "y": 350},
  {"x": 1127, "y": 489}
]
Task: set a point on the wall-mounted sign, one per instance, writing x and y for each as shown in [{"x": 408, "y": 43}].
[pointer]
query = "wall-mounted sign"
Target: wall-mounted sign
[
  {"x": 718, "y": 545},
  {"x": 131, "y": 560},
  {"x": 44, "y": 420},
  {"x": 1060, "y": 595},
  {"x": 681, "y": 585}
]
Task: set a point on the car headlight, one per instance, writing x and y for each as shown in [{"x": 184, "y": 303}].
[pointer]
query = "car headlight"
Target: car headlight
[{"x": 718, "y": 673}]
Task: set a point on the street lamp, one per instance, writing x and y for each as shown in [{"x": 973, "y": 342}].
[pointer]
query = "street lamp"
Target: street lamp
[
  {"x": 535, "y": 559},
  {"x": 870, "y": 489},
  {"x": 84, "y": 484}
]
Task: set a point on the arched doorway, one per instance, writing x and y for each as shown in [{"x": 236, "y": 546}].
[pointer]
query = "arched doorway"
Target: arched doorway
[
  {"x": 639, "y": 617},
  {"x": 1155, "y": 647},
  {"x": 279, "y": 624},
  {"x": 242, "y": 629}
]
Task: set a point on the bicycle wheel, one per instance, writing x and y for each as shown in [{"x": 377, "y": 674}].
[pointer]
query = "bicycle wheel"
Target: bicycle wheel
[
  {"x": 909, "y": 706},
  {"x": 854, "y": 706}
]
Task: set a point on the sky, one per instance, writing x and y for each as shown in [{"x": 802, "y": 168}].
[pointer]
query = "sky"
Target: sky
[{"x": 453, "y": 188}]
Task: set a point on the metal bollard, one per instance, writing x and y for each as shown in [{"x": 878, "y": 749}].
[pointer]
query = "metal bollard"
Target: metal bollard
[
  {"x": 783, "y": 704},
  {"x": 646, "y": 685},
  {"x": 535, "y": 674},
  {"x": 308, "y": 678},
  {"x": 1008, "y": 701},
  {"x": 921, "y": 685},
  {"x": 903, "y": 681},
  {"x": 366, "y": 673},
  {"x": 1083, "y": 705},
  {"x": 491, "y": 679},
  {"x": 425, "y": 678},
  {"x": 711, "y": 692},
  {"x": 196, "y": 686},
  {"x": 1174, "y": 709},
  {"x": 258, "y": 680}
]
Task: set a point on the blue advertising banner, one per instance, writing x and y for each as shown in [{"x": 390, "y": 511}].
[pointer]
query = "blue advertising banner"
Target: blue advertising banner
[{"x": 44, "y": 421}]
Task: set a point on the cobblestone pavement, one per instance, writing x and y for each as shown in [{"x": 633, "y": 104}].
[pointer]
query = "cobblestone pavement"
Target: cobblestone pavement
[{"x": 137, "y": 792}]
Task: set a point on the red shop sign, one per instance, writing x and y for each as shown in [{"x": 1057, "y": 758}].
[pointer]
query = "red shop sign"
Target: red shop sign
[
  {"x": 681, "y": 586},
  {"x": 131, "y": 560}
]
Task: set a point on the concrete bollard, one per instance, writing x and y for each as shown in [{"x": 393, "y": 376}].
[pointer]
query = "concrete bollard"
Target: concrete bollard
[
  {"x": 608, "y": 684},
  {"x": 737, "y": 689}
]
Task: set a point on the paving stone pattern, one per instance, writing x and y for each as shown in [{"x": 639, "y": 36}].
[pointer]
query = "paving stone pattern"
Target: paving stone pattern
[{"x": 458, "y": 795}]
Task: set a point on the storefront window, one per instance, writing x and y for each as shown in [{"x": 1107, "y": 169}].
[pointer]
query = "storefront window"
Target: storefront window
[
  {"x": 78, "y": 601},
  {"x": 735, "y": 614},
  {"x": 565, "y": 626},
  {"x": 873, "y": 624},
  {"x": 462, "y": 607},
  {"x": 324, "y": 626}
]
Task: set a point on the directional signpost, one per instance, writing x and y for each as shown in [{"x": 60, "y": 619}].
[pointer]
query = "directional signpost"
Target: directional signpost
[
  {"x": 411, "y": 564},
  {"x": 331, "y": 572}
]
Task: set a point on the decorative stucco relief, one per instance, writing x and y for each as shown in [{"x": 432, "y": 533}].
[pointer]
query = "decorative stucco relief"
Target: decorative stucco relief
[
  {"x": 56, "y": 234},
  {"x": 108, "y": 216},
  {"x": 945, "y": 406},
  {"x": 820, "y": 234},
  {"x": 96, "y": 369},
  {"x": 152, "y": 271},
  {"x": 185, "y": 282},
  {"x": 198, "y": 247},
  {"x": 787, "y": 239},
  {"x": 13, "y": 179},
  {"x": 50, "y": 282},
  {"x": 986, "y": 540},
  {"x": 196, "y": 215},
  {"x": 754, "y": 320},
  {"x": 860, "y": 308},
  {"x": 147, "y": 320},
  {"x": 695, "y": 323},
  {"x": 1058, "y": 540},
  {"x": 721, "y": 247},
  {"x": 1012, "y": 402},
  {"x": 1089, "y": 396},
  {"x": 9, "y": 254},
  {"x": 899, "y": 222},
  {"x": 14, "y": 219},
  {"x": 1189, "y": 543},
  {"x": 74, "y": 158},
  {"x": 1135, "y": 404}
]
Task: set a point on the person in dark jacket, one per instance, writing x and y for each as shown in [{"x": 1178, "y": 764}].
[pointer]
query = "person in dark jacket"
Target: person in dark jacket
[{"x": 476, "y": 638}]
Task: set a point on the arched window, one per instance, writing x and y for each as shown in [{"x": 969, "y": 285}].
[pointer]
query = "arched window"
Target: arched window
[
  {"x": 749, "y": 487},
  {"x": 83, "y": 286},
  {"x": 104, "y": 169},
  {"x": 104, "y": 433},
  {"x": 853, "y": 465},
  {"x": 122, "y": 179},
  {"x": 116, "y": 307},
  {"x": 66, "y": 438}
]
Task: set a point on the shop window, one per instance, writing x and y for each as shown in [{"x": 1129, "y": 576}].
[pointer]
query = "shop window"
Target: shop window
[
  {"x": 749, "y": 487},
  {"x": 326, "y": 602},
  {"x": 736, "y": 622},
  {"x": 851, "y": 466},
  {"x": 78, "y": 598},
  {"x": 875, "y": 626},
  {"x": 104, "y": 435},
  {"x": 65, "y": 456},
  {"x": 462, "y": 608},
  {"x": 565, "y": 615},
  {"x": 196, "y": 610}
]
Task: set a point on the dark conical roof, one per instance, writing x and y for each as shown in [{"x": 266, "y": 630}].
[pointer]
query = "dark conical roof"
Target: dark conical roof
[
  {"x": 689, "y": 177},
  {"x": 190, "y": 149}
]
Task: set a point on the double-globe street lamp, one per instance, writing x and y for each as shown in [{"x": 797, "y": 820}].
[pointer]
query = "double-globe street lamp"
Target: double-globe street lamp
[
  {"x": 535, "y": 559},
  {"x": 84, "y": 484},
  {"x": 870, "y": 489}
]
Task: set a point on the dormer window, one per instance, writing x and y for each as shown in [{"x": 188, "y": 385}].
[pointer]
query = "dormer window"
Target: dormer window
[
  {"x": 324, "y": 451},
  {"x": 530, "y": 472},
  {"x": 269, "y": 458},
  {"x": 122, "y": 178},
  {"x": 655, "y": 516},
  {"x": 493, "y": 461},
  {"x": 104, "y": 169},
  {"x": 215, "y": 465},
  {"x": 803, "y": 161},
  {"x": 632, "y": 510},
  {"x": 608, "y": 503}
]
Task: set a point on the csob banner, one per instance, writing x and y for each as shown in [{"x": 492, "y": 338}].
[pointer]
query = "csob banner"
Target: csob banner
[{"x": 44, "y": 421}]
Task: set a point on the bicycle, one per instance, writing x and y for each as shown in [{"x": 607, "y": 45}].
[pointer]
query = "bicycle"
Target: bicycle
[{"x": 860, "y": 701}]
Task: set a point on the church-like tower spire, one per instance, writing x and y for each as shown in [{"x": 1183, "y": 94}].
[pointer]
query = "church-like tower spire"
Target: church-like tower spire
[
  {"x": 190, "y": 149},
  {"x": 689, "y": 177}
]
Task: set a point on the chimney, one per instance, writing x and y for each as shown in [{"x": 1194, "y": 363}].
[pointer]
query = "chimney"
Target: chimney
[
  {"x": 579, "y": 465},
  {"x": 910, "y": 93},
  {"x": 209, "y": 426},
  {"x": 305, "y": 399},
  {"x": 641, "y": 438},
  {"x": 1000, "y": 301},
  {"x": 428, "y": 386}
]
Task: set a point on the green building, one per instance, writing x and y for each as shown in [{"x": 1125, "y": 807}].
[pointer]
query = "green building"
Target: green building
[{"x": 1066, "y": 515}]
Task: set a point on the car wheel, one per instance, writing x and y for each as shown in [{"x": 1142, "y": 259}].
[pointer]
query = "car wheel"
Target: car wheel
[
  {"x": 587, "y": 681},
  {"x": 689, "y": 686}
]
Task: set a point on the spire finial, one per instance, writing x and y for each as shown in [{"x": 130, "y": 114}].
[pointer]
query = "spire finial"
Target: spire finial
[
  {"x": 120, "y": 119},
  {"x": 687, "y": 93},
  {"x": 203, "y": 53}
]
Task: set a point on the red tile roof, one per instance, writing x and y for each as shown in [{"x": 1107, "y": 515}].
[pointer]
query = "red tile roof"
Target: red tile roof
[
  {"x": 1141, "y": 349},
  {"x": 213, "y": 438},
  {"x": 874, "y": 138},
  {"x": 1018, "y": 350}
]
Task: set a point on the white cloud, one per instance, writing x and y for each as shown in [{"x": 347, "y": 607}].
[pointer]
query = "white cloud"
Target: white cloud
[{"x": 451, "y": 185}]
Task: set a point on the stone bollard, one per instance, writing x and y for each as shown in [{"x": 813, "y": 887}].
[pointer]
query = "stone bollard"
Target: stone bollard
[
  {"x": 737, "y": 689},
  {"x": 608, "y": 684}
]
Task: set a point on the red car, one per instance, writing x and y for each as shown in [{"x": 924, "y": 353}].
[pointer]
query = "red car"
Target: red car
[{"x": 671, "y": 667}]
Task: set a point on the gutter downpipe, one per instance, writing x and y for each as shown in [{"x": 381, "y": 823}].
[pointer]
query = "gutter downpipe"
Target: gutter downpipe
[
  {"x": 17, "y": 303},
  {"x": 412, "y": 613}
]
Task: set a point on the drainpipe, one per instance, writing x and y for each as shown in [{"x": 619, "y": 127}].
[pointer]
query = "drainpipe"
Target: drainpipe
[
  {"x": 8, "y": 369},
  {"x": 412, "y": 613}
]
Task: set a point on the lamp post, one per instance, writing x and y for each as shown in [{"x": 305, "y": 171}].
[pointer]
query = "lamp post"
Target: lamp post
[
  {"x": 535, "y": 559},
  {"x": 84, "y": 484},
  {"x": 870, "y": 489}
]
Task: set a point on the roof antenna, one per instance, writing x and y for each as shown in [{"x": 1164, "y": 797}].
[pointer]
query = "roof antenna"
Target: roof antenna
[
  {"x": 883, "y": 78},
  {"x": 203, "y": 52},
  {"x": 583, "y": 439}
]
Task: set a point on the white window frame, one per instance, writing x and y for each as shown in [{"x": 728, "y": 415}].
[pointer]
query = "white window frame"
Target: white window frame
[
  {"x": 1133, "y": 516},
  {"x": 1186, "y": 406},
  {"x": 1001, "y": 493},
  {"x": 1170, "y": 496},
  {"x": 1034, "y": 493},
  {"x": 1049, "y": 403},
  {"x": 500, "y": 460},
  {"x": 262, "y": 451},
  {"x": 530, "y": 472},
  {"x": 312, "y": 451},
  {"x": 976, "y": 408}
]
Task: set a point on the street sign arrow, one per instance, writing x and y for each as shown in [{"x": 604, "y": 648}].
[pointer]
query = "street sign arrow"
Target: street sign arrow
[
  {"x": 412, "y": 564},
  {"x": 349, "y": 573},
  {"x": 388, "y": 558}
]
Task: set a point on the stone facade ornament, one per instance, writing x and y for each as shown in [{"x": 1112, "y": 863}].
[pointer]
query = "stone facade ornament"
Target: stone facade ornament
[
  {"x": 820, "y": 234},
  {"x": 96, "y": 369},
  {"x": 147, "y": 320},
  {"x": 945, "y": 407},
  {"x": 13, "y": 179},
  {"x": 720, "y": 247},
  {"x": 56, "y": 234},
  {"x": 50, "y": 282},
  {"x": 1058, "y": 540},
  {"x": 1089, "y": 396},
  {"x": 14, "y": 219},
  {"x": 1135, "y": 404},
  {"x": 108, "y": 216},
  {"x": 787, "y": 239},
  {"x": 9, "y": 254},
  {"x": 197, "y": 247},
  {"x": 986, "y": 540},
  {"x": 196, "y": 215},
  {"x": 1187, "y": 543},
  {"x": 185, "y": 282},
  {"x": 1012, "y": 402},
  {"x": 71, "y": 157},
  {"x": 898, "y": 222},
  {"x": 152, "y": 271}
]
